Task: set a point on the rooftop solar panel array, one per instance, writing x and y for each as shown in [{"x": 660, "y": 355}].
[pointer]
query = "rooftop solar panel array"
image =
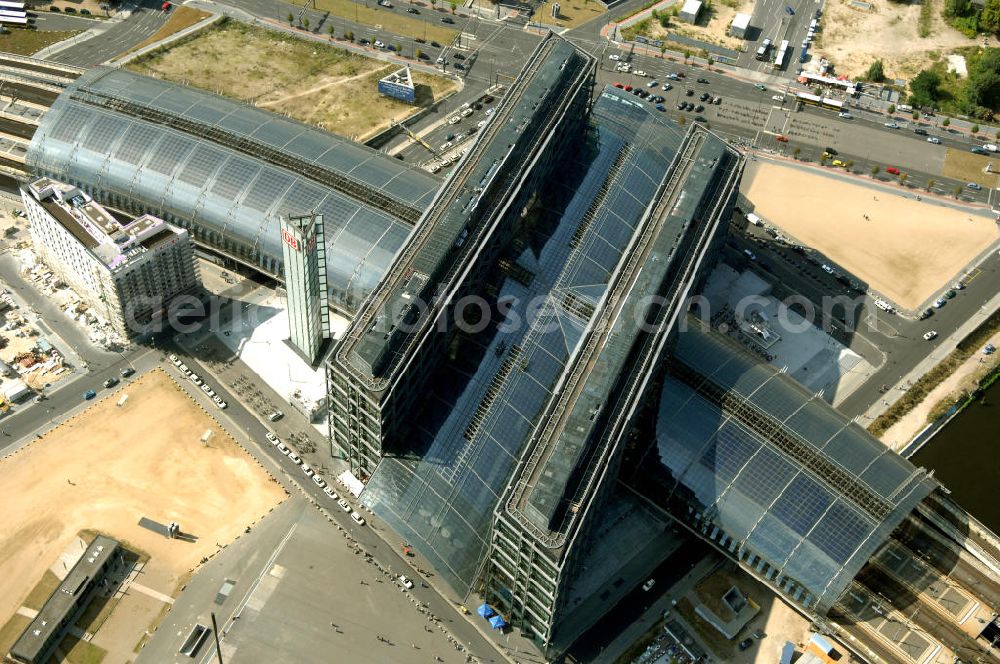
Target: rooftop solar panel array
[
  {"x": 229, "y": 199},
  {"x": 811, "y": 528},
  {"x": 444, "y": 503}
]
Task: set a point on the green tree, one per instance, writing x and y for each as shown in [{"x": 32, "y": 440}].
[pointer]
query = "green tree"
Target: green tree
[
  {"x": 946, "y": 122},
  {"x": 876, "y": 72},
  {"x": 305, "y": 22},
  {"x": 796, "y": 152},
  {"x": 989, "y": 18},
  {"x": 418, "y": 54},
  {"x": 930, "y": 184},
  {"x": 983, "y": 87},
  {"x": 915, "y": 115},
  {"x": 711, "y": 61},
  {"x": 891, "y": 109},
  {"x": 399, "y": 48},
  {"x": 291, "y": 18},
  {"x": 349, "y": 35},
  {"x": 687, "y": 55},
  {"x": 974, "y": 129},
  {"x": 849, "y": 164},
  {"x": 956, "y": 8},
  {"x": 958, "y": 191},
  {"x": 875, "y": 170},
  {"x": 924, "y": 88},
  {"x": 329, "y": 30},
  {"x": 902, "y": 178},
  {"x": 454, "y": 6}
]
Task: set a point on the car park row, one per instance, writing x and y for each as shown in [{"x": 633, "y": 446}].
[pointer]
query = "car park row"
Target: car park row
[{"x": 196, "y": 379}]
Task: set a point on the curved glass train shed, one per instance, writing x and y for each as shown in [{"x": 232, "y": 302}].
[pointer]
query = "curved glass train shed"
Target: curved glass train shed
[
  {"x": 226, "y": 171},
  {"x": 772, "y": 473}
]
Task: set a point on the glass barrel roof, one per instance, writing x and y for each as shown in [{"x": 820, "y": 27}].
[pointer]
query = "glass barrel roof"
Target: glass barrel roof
[
  {"x": 790, "y": 508},
  {"x": 228, "y": 198},
  {"x": 486, "y": 403}
]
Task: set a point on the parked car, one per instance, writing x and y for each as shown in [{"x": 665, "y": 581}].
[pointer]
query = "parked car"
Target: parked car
[
  {"x": 406, "y": 582},
  {"x": 940, "y": 302},
  {"x": 892, "y": 170},
  {"x": 920, "y": 132},
  {"x": 412, "y": 10},
  {"x": 747, "y": 642},
  {"x": 891, "y": 125},
  {"x": 126, "y": 372},
  {"x": 974, "y": 186},
  {"x": 782, "y": 138},
  {"x": 307, "y": 469},
  {"x": 926, "y": 313},
  {"x": 930, "y": 335},
  {"x": 649, "y": 584},
  {"x": 357, "y": 518},
  {"x": 294, "y": 458},
  {"x": 845, "y": 115},
  {"x": 447, "y": 19},
  {"x": 275, "y": 416},
  {"x": 110, "y": 382},
  {"x": 272, "y": 438},
  {"x": 344, "y": 505},
  {"x": 89, "y": 394},
  {"x": 330, "y": 492},
  {"x": 703, "y": 80},
  {"x": 319, "y": 481},
  {"x": 934, "y": 139},
  {"x": 978, "y": 150}
]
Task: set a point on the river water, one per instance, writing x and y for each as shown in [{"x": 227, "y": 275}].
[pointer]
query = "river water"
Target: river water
[{"x": 965, "y": 456}]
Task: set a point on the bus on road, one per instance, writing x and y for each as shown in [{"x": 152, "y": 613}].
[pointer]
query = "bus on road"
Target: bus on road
[{"x": 779, "y": 58}]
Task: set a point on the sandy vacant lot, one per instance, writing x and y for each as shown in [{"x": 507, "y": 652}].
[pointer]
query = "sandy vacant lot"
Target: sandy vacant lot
[
  {"x": 309, "y": 81},
  {"x": 109, "y": 466},
  {"x": 853, "y": 38},
  {"x": 907, "y": 251}
]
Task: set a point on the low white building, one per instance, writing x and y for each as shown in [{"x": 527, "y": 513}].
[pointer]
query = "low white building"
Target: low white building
[
  {"x": 741, "y": 23},
  {"x": 690, "y": 10},
  {"x": 127, "y": 272}
]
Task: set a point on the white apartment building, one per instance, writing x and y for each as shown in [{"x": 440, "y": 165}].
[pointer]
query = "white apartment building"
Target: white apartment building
[{"x": 129, "y": 273}]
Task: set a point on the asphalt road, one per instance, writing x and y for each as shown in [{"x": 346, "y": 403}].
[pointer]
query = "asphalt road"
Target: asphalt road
[
  {"x": 770, "y": 20},
  {"x": 57, "y": 21},
  {"x": 146, "y": 19}
]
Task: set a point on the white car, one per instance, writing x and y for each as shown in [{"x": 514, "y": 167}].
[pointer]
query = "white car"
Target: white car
[
  {"x": 358, "y": 519},
  {"x": 845, "y": 115},
  {"x": 667, "y": 86},
  {"x": 283, "y": 449},
  {"x": 933, "y": 139},
  {"x": 446, "y": 146},
  {"x": 454, "y": 120},
  {"x": 826, "y": 268},
  {"x": 406, "y": 582},
  {"x": 307, "y": 470},
  {"x": 319, "y": 481},
  {"x": 614, "y": 56},
  {"x": 195, "y": 379},
  {"x": 379, "y": 44},
  {"x": 778, "y": 98},
  {"x": 929, "y": 335},
  {"x": 639, "y": 72},
  {"x": 272, "y": 438},
  {"x": 173, "y": 358},
  {"x": 649, "y": 585},
  {"x": 221, "y": 404},
  {"x": 344, "y": 505},
  {"x": 330, "y": 492},
  {"x": 651, "y": 84},
  {"x": 183, "y": 367},
  {"x": 466, "y": 113},
  {"x": 294, "y": 458}
]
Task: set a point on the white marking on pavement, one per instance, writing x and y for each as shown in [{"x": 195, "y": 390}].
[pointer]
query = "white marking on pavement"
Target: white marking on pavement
[{"x": 155, "y": 594}]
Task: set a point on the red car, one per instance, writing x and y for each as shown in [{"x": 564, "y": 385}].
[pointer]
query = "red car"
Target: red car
[
  {"x": 892, "y": 170},
  {"x": 166, "y": 6},
  {"x": 628, "y": 88},
  {"x": 782, "y": 138},
  {"x": 619, "y": 86}
]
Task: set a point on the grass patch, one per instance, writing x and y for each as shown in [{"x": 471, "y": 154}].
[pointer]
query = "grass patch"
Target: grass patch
[
  {"x": 390, "y": 22},
  {"x": 42, "y": 590},
  {"x": 946, "y": 367},
  {"x": 182, "y": 18},
  {"x": 570, "y": 15},
  {"x": 926, "y": 18},
  {"x": 643, "y": 27},
  {"x": 968, "y": 167},
  {"x": 29, "y": 42},
  {"x": 310, "y": 81},
  {"x": 81, "y": 652},
  {"x": 11, "y": 630}
]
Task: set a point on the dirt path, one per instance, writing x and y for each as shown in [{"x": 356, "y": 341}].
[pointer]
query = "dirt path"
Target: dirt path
[
  {"x": 964, "y": 378},
  {"x": 316, "y": 88}
]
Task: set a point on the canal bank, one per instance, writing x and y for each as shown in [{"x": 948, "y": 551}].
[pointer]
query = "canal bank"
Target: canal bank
[{"x": 965, "y": 457}]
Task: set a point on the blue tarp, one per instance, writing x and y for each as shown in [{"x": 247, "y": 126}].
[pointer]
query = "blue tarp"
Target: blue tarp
[
  {"x": 486, "y": 611},
  {"x": 497, "y": 622}
]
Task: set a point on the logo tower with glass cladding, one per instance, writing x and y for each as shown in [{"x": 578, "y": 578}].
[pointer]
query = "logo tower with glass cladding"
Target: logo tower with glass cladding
[{"x": 304, "y": 250}]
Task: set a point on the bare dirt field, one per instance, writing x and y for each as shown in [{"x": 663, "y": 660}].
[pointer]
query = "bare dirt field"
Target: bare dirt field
[
  {"x": 107, "y": 467},
  {"x": 712, "y": 26},
  {"x": 853, "y": 38},
  {"x": 312, "y": 82},
  {"x": 906, "y": 250}
]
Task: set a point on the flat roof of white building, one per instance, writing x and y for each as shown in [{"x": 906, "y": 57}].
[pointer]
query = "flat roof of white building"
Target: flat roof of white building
[
  {"x": 112, "y": 242},
  {"x": 741, "y": 21},
  {"x": 691, "y": 7}
]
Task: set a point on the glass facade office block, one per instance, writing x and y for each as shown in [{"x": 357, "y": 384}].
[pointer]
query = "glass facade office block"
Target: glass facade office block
[{"x": 304, "y": 247}]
